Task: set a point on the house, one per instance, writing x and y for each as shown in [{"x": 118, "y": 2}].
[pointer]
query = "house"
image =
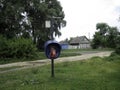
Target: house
[
  {"x": 81, "y": 42},
  {"x": 64, "y": 44}
]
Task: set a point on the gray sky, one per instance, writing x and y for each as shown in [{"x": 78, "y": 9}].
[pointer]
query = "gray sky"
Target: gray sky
[{"x": 83, "y": 15}]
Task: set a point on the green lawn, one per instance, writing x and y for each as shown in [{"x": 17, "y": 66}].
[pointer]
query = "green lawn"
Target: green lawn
[
  {"x": 41, "y": 55},
  {"x": 93, "y": 74}
]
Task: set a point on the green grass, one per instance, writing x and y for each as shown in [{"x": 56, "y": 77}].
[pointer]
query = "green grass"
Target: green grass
[
  {"x": 93, "y": 74},
  {"x": 9, "y": 68},
  {"x": 79, "y": 50},
  {"x": 40, "y": 56}
]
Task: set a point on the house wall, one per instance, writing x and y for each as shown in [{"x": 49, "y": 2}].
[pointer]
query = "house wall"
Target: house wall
[
  {"x": 72, "y": 47},
  {"x": 64, "y": 46},
  {"x": 80, "y": 46}
]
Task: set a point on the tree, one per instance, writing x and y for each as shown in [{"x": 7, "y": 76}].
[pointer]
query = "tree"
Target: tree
[
  {"x": 38, "y": 14},
  {"x": 96, "y": 43},
  {"x": 10, "y": 18},
  {"x": 112, "y": 37},
  {"x": 106, "y": 36},
  {"x": 26, "y": 18},
  {"x": 100, "y": 36},
  {"x": 102, "y": 28}
]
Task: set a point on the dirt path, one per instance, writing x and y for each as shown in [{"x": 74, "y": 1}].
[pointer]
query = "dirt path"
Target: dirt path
[{"x": 30, "y": 64}]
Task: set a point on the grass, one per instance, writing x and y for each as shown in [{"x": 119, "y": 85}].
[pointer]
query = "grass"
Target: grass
[
  {"x": 40, "y": 56},
  {"x": 79, "y": 50},
  {"x": 94, "y": 74},
  {"x": 9, "y": 68}
]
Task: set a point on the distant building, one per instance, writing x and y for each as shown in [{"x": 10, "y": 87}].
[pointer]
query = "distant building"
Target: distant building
[
  {"x": 64, "y": 44},
  {"x": 81, "y": 42}
]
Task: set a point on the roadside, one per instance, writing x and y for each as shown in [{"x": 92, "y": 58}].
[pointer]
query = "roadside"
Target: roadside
[{"x": 30, "y": 64}]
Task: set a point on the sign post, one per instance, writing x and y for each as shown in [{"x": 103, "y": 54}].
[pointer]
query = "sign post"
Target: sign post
[
  {"x": 52, "y": 56},
  {"x": 52, "y": 68},
  {"x": 52, "y": 48}
]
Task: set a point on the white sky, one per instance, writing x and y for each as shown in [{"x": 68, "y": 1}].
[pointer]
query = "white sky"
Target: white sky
[{"x": 83, "y": 15}]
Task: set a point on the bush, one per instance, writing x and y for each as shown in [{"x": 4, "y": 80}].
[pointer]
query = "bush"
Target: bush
[
  {"x": 117, "y": 50},
  {"x": 3, "y": 46},
  {"x": 17, "y": 48},
  {"x": 113, "y": 57}
]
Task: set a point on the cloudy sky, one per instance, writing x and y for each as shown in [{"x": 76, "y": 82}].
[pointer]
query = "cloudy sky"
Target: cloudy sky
[{"x": 83, "y": 15}]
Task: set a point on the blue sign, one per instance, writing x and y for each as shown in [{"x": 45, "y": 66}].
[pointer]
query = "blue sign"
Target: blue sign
[{"x": 52, "y": 49}]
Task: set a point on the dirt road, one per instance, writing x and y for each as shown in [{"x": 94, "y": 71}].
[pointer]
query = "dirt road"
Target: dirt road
[{"x": 29, "y": 64}]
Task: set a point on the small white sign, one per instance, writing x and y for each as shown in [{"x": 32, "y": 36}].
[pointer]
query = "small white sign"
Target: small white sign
[{"x": 47, "y": 24}]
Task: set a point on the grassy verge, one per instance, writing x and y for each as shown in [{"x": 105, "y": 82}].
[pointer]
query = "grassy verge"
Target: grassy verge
[
  {"x": 64, "y": 53},
  {"x": 79, "y": 50},
  {"x": 40, "y": 55},
  {"x": 94, "y": 74},
  {"x": 9, "y": 68}
]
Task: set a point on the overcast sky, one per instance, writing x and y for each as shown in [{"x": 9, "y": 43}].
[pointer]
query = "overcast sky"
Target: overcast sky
[{"x": 83, "y": 15}]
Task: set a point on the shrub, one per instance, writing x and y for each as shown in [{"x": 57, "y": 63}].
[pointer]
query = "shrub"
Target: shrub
[
  {"x": 113, "y": 57},
  {"x": 3, "y": 46},
  {"x": 117, "y": 50},
  {"x": 17, "y": 48}
]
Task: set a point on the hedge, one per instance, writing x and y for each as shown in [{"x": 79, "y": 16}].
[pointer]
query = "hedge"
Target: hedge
[{"x": 17, "y": 48}]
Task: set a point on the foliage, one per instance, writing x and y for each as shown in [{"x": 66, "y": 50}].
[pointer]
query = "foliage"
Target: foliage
[
  {"x": 117, "y": 50},
  {"x": 113, "y": 57},
  {"x": 99, "y": 37},
  {"x": 96, "y": 41},
  {"x": 39, "y": 56},
  {"x": 26, "y": 18},
  {"x": 16, "y": 48},
  {"x": 93, "y": 74},
  {"x": 112, "y": 37},
  {"x": 105, "y": 37}
]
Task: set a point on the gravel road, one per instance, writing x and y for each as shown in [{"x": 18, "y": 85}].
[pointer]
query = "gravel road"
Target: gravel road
[{"x": 30, "y": 64}]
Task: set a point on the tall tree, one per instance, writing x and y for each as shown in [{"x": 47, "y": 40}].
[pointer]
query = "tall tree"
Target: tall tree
[
  {"x": 112, "y": 37},
  {"x": 10, "y": 18},
  {"x": 102, "y": 28},
  {"x": 27, "y": 18},
  {"x": 106, "y": 36},
  {"x": 100, "y": 36}
]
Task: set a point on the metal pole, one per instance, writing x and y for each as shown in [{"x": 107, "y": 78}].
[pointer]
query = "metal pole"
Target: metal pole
[
  {"x": 52, "y": 68},
  {"x": 51, "y": 31},
  {"x": 52, "y": 60}
]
